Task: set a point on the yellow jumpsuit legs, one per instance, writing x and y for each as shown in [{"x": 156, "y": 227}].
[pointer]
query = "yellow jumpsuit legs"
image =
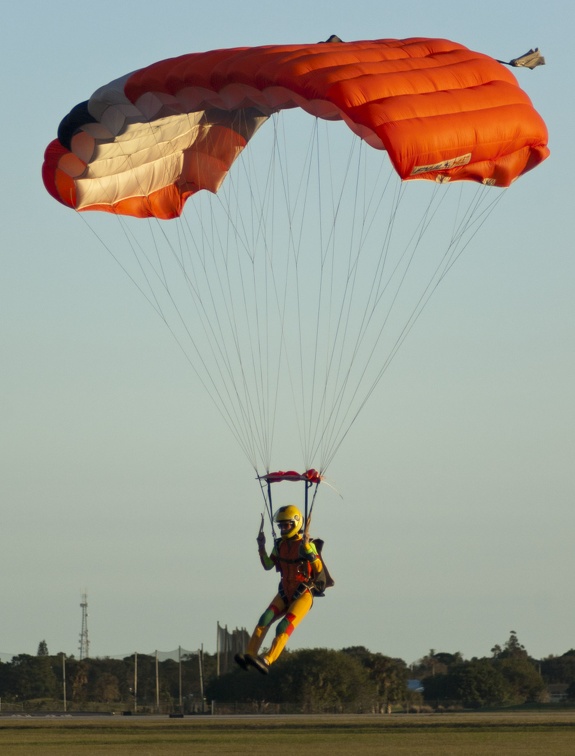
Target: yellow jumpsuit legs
[{"x": 291, "y": 615}]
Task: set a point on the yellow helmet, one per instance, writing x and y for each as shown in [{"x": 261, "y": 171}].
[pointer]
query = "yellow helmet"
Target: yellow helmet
[{"x": 290, "y": 521}]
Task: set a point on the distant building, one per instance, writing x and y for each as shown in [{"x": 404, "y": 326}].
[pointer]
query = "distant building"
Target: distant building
[{"x": 557, "y": 692}]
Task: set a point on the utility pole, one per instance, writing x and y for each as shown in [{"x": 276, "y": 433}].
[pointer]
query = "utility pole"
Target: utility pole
[
  {"x": 64, "y": 682},
  {"x": 84, "y": 642}
]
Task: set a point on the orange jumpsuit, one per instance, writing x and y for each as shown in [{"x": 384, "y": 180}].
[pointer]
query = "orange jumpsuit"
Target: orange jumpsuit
[{"x": 299, "y": 564}]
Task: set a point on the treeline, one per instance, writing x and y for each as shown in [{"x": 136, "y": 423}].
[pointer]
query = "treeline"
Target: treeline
[
  {"x": 312, "y": 680},
  {"x": 355, "y": 679},
  {"x": 136, "y": 683},
  {"x": 509, "y": 677}
]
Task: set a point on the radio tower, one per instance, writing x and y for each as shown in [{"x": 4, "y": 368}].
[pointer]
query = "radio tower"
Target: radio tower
[{"x": 84, "y": 642}]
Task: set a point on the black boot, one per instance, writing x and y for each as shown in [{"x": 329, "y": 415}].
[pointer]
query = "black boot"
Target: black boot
[
  {"x": 240, "y": 659},
  {"x": 259, "y": 663}
]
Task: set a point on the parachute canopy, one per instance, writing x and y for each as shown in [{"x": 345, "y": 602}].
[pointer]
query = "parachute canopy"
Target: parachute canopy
[
  {"x": 441, "y": 111},
  {"x": 291, "y": 282}
]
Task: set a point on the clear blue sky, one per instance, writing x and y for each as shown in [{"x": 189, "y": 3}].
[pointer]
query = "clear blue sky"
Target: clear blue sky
[{"x": 456, "y": 520}]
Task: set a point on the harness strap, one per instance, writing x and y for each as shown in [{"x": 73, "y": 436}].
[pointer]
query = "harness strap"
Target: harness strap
[{"x": 299, "y": 591}]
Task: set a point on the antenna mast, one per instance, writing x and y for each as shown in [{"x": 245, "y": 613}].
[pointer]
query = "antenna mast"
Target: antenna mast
[{"x": 84, "y": 642}]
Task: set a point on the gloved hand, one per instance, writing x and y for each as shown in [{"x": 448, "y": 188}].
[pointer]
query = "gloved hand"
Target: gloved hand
[{"x": 261, "y": 539}]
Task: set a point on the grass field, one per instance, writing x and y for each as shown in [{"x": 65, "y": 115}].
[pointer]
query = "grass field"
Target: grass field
[{"x": 552, "y": 734}]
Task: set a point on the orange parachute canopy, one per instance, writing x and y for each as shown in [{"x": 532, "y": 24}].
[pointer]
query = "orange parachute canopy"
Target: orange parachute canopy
[{"x": 144, "y": 143}]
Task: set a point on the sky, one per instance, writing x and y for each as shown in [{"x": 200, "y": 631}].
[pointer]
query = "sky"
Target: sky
[{"x": 451, "y": 519}]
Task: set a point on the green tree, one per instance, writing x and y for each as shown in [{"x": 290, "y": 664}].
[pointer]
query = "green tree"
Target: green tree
[
  {"x": 520, "y": 672},
  {"x": 312, "y": 679},
  {"x": 523, "y": 678},
  {"x": 116, "y": 672},
  {"x": 473, "y": 684},
  {"x": 479, "y": 683},
  {"x": 42, "y": 649},
  {"x": 324, "y": 680},
  {"x": 511, "y": 648},
  {"x": 32, "y": 677},
  {"x": 435, "y": 663},
  {"x": 239, "y": 687},
  {"x": 559, "y": 669},
  {"x": 439, "y": 690},
  {"x": 77, "y": 680},
  {"x": 388, "y": 675},
  {"x": 448, "y": 659},
  {"x": 106, "y": 688}
]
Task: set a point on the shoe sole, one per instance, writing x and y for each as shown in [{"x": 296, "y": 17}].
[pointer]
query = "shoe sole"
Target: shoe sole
[
  {"x": 240, "y": 660},
  {"x": 261, "y": 666}
]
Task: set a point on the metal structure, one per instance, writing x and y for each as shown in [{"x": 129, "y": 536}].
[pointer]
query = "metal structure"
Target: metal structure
[{"x": 84, "y": 641}]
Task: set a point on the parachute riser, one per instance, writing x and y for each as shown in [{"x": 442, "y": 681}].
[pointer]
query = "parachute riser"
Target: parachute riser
[
  {"x": 267, "y": 497},
  {"x": 308, "y": 505},
  {"x": 271, "y": 510}
]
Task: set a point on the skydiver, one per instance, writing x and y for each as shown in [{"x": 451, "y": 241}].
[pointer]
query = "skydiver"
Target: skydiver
[{"x": 296, "y": 558}]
